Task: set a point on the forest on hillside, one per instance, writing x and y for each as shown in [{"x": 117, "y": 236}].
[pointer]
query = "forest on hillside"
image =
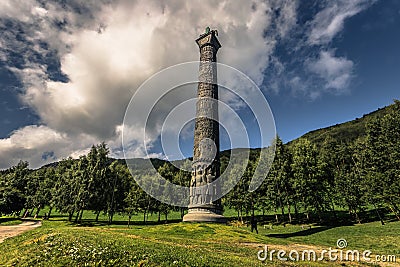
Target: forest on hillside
[{"x": 311, "y": 179}]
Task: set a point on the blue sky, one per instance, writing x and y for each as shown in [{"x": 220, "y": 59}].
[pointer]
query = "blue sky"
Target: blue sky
[
  {"x": 69, "y": 68},
  {"x": 370, "y": 39}
]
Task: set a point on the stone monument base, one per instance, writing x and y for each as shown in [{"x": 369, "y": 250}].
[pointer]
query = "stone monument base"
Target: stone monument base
[{"x": 210, "y": 214}]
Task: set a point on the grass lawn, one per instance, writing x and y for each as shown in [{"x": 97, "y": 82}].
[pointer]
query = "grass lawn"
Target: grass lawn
[
  {"x": 5, "y": 221},
  {"x": 58, "y": 243}
]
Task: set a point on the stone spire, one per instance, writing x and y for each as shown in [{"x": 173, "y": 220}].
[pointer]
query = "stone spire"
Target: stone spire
[{"x": 206, "y": 164}]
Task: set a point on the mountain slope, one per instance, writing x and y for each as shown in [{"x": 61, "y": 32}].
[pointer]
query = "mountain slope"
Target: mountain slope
[{"x": 344, "y": 132}]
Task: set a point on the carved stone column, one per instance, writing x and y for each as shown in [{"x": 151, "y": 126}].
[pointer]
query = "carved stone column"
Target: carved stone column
[{"x": 206, "y": 164}]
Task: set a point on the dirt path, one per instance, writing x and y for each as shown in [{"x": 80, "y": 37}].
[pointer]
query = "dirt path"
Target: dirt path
[{"x": 13, "y": 230}]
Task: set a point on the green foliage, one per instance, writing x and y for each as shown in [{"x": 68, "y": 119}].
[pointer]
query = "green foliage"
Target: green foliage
[
  {"x": 13, "y": 188},
  {"x": 352, "y": 166},
  {"x": 309, "y": 182},
  {"x": 382, "y": 159},
  {"x": 56, "y": 244},
  {"x": 318, "y": 173},
  {"x": 277, "y": 190},
  {"x": 346, "y": 132}
]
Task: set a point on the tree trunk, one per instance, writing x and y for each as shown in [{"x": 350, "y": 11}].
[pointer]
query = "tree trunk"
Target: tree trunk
[
  {"x": 394, "y": 211},
  {"x": 289, "y": 213},
  {"x": 159, "y": 216},
  {"x": 25, "y": 213},
  {"x": 296, "y": 211},
  {"x": 110, "y": 218},
  {"x": 48, "y": 215},
  {"x": 377, "y": 212},
  {"x": 395, "y": 207},
  {"x": 37, "y": 211},
  {"x": 97, "y": 215},
  {"x": 282, "y": 206},
  {"x": 80, "y": 216},
  {"x": 129, "y": 219},
  {"x": 357, "y": 217},
  {"x": 288, "y": 205},
  {"x": 334, "y": 211},
  {"x": 306, "y": 210},
  {"x": 77, "y": 216},
  {"x": 70, "y": 215}
]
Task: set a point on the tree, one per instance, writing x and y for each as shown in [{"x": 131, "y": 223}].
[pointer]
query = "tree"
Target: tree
[
  {"x": 240, "y": 198},
  {"x": 277, "y": 185},
  {"x": 13, "y": 188},
  {"x": 383, "y": 159},
  {"x": 119, "y": 183},
  {"x": 308, "y": 182},
  {"x": 100, "y": 179},
  {"x": 65, "y": 188},
  {"x": 11, "y": 200},
  {"x": 182, "y": 177},
  {"x": 349, "y": 181}
]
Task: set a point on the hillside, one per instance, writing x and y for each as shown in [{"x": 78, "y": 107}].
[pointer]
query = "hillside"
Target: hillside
[{"x": 344, "y": 132}]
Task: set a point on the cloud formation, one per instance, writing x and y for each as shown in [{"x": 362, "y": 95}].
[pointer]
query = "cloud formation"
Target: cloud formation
[
  {"x": 329, "y": 21},
  {"x": 36, "y": 143},
  {"x": 81, "y": 61},
  {"x": 105, "y": 51},
  {"x": 310, "y": 66},
  {"x": 335, "y": 71}
]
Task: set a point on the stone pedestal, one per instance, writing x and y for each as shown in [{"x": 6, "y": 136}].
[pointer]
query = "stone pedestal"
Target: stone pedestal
[{"x": 204, "y": 214}]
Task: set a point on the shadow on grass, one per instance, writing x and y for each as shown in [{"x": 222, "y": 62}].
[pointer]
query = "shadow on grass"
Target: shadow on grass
[
  {"x": 315, "y": 224},
  {"x": 303, "y": 232},
  {"x": 90, "y": 223},
  {"x": 6, "y": 220}
]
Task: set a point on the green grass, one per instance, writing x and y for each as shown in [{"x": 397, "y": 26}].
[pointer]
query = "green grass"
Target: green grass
[
  {"x": 58, "y": 243},
  {"x": 4, "y": 221},
  {"x": 372, "y": 236}
]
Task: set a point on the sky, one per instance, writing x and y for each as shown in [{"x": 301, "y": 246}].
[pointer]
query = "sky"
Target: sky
[{"x": 68, "y": 69}]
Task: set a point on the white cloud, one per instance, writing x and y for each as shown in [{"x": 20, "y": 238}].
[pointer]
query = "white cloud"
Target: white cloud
[
  {"x": 288, "y": 19},
  {"x": 330, "y": 20},
  {"x": 33, "y": 143},
  {"x": 17, "y": 9},
  {"x": 108, "y": 49},
  {"x": 336, "y": 71}
]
